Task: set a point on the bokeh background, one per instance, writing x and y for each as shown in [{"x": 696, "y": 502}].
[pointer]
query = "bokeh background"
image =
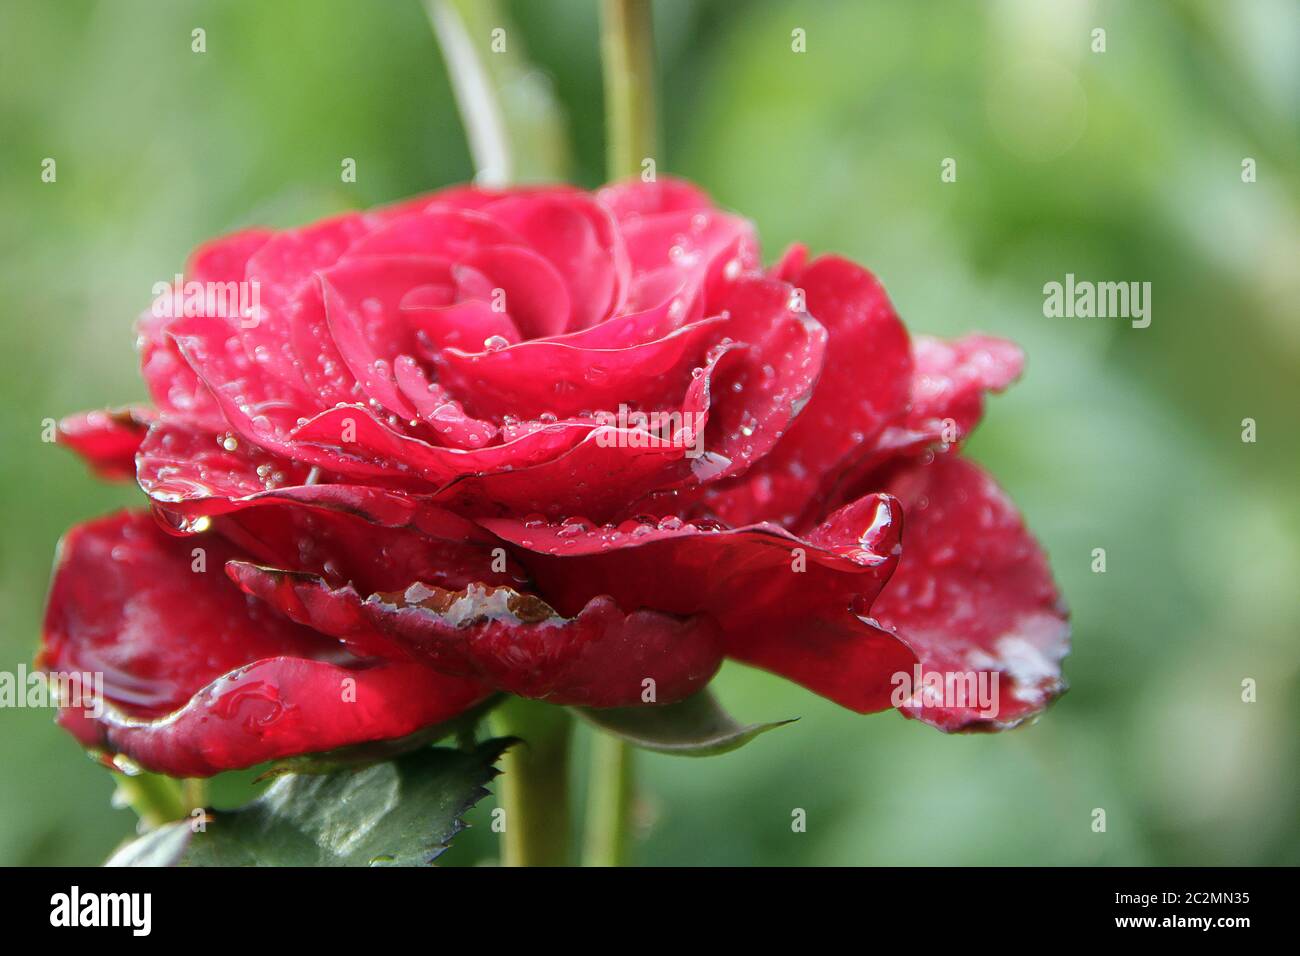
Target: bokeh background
[{"x": 1122, "y": 165}]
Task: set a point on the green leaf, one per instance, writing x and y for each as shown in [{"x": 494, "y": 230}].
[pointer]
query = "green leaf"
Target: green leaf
[
  {"x": 403, "y": 812},
  {"x": 695, "y": 727}
]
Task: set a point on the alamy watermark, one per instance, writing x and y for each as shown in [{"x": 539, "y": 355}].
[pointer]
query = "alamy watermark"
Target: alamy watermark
[
  {"x": 977, "y": 690},
  {"x": 1084, "y": 299},
  {"x": 74, "y": 908},
  {"x": 41, "y": 689},
  {"x": 240, "y": 300},
  {"x": 637, "y": 429}
]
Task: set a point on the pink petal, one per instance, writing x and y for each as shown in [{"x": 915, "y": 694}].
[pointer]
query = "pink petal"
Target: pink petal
[
  {"x": 634, "y": 197},
  {"x": 439, "y": 410},
  {"x": 535, "y": 294},
  {"x": 436, "y": 231},
  {"x": 580, "y": 239}
]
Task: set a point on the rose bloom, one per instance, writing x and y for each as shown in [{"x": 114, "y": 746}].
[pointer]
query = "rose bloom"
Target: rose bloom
[{"x": 575, "y": 447}]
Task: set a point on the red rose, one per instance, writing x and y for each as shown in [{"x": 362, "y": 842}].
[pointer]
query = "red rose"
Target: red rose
[{"x": 543, "y": 442}]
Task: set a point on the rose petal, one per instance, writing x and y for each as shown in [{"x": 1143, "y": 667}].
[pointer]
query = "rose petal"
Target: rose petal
[
  {"x": 531, "y": 289},
  {"x": 947, "y": 400},
  {"x": 947, "y": 390},
  {"x": 635, "y": 197},
  {"x": 792, "y": 606},
  {"x": 376, "y": 537},
  {"x": 580, "y": 239},
  {"x": 172, "y": 383},
  {"x": 196, "y": 679},
  {"x": 704, "y": 248},
  {"x": 345, "y": 548},
  {"x": 107, "y": 439},
  {"x": 356, "y": 443},
  {"x": 861, "y": 389},
  {"x": 439, "y": 410},
  {"x": 468, "y": 324},
  {"x": 973, "y": 593},
  {"x": 284, "y": 270},
  {"x": 437, "y": 231},
  {"x": 514, "y": 642},
  {"x": 259, "y": 411},
  {"x": 548, "y": 376}
]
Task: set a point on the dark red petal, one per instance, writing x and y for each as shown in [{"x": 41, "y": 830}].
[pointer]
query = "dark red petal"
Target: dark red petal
[
  {"x": 540, "y": 376},
  {"x": 279, "y": 707},
  {"x": 375, "y": 536},
  {"x": 863, "y": 386},
  {"x": 788, "y": 605},
  {"x": 196, "y": 679},
  {"x": 107, "y": 439},
  {"x": 514, "y": 642},
  {"x": 309, "y": 600},
  {"x": 258, "y": 410},
  {"x": 377, "y": 450},
  {"x": 762, "y": 397},
  {"x": 342, "y": 547},
  {"x": 947, "y": 390},
  {"x": 973, "y": 593}
]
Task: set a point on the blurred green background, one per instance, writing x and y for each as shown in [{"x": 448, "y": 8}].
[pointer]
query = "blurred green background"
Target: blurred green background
[{"x": 1122, "y": 165}]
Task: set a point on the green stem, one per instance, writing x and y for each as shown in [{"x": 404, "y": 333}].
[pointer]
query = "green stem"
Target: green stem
[
  {"x": 627, "y": 52},
  {"x": 194, "y": 793},
  {"x": 631, "y": 121},
  {"x": 534, "y": 784},
  {"x": 476, "y": 96},
  {"x": 609, "y": 803},
  {"x": 155, "y": 799}
]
